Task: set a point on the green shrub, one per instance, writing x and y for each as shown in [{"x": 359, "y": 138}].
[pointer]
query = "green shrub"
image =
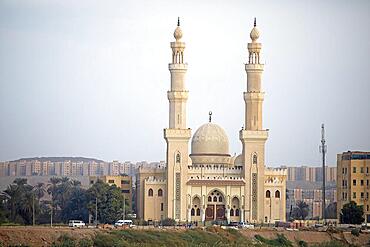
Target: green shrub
[
  {"x": 355, "y": 232},
  {"x": 302, "y": 243},
  {"x": 280, "y": 240},
  {"x": 85, "y": 243},
  {"x": 64, "y": 241},
  {"x": 168, "y": 222},
  {"x": 332, "y": 243}
]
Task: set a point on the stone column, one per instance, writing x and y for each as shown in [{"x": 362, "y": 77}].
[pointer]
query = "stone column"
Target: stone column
[
  {"x": 242, "y": 215},
  {"x": 189, "y": 214}
]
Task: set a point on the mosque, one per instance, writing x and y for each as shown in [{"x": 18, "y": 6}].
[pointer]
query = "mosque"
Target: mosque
[{"x": 209, "y": 184}]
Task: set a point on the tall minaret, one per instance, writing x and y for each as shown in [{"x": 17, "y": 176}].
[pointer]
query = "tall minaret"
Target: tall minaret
[
  {"x": 253, "y": 137},
  {"x": 177, "y": 135}
]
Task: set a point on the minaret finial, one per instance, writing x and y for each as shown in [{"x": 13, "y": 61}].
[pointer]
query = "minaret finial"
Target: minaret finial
[
  {"x": 255, "y": 21},
  {"x": 210, "y": 116},
  {"x": 178, "y": 21}
]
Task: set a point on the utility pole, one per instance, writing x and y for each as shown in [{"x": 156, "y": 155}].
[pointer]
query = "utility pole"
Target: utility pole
[
  {"x": 96, "y": 210},
  {"x": 323, "y": 150},
  {"x": 51, "y": 214},
  {"x": 124, "y": 209},
  {"x": 33, "y": 209}
]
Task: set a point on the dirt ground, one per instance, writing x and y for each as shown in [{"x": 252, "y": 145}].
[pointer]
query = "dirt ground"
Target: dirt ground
[
  {"x": 311, "y": 237},
  {"x": 45, "y": 236},
  {"x": 40, "y": 236}
]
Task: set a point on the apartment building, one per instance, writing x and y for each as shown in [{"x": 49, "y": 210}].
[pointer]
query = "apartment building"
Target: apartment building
[{"x": 353, "y": 180}]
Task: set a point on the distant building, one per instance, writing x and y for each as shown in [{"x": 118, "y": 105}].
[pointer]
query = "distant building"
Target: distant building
[
  {"x": 353, "y": 180},
  {"x": 124, "y": 183},
  {"x": 310, "y": 194},
  {"x": 311, "y": 173}
]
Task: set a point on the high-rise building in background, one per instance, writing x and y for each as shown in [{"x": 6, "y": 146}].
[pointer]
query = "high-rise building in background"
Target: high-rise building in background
[{"x": 311, "y": 173}]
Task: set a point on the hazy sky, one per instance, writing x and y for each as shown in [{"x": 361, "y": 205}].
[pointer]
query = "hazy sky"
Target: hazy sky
[{"x": 89, "y": 78}]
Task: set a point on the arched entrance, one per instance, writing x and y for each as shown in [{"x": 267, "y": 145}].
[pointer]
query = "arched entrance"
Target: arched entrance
[{"x": 215, "y": 206}]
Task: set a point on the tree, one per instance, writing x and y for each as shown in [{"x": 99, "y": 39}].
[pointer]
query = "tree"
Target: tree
[
  {"x": 300, "y": 211},
  {"x": 39, "y": 190},
  {"x": 76, "y": 206},
  {"x": 20, "y": 201},
  {"x": 109, "y": 201},
  {"x": 331, "y": 211},
  {"x": 352, "y": 214}
]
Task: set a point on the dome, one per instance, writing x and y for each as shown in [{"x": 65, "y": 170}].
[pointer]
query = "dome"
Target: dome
[
  {"x": 178, "y": 33},
  {"x": 255, "y": 34},
  {"x": 210, "y": 139}
]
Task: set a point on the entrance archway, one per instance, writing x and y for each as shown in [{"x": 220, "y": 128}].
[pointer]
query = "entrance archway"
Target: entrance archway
[{"x": 215, "y": 206}]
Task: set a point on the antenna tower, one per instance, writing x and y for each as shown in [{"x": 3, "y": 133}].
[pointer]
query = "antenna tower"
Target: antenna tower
[{"x": 323, "y": 150}]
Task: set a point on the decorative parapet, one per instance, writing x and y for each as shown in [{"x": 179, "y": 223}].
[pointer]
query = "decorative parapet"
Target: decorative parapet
[
  {"x": 275, "y": 176},
  {"x": 178, "y": 66},
  {"x": 178, "y": 95},
  {"x": 217, "y": 181},
  {"x": 254, "y": 67},
  {"x": 151, "y": 170},
  {"x": 177, "y": 133},
  {"x": 207, "y": 159},
  {"x": 269, "y": 171},
  {"x": 253, "y": 135},
  {"x": 215, "y": 170},
  {"x": 153, "y": 180},
  {"x": 215, "y": 178},
  {"x": 255, "y": 96}
]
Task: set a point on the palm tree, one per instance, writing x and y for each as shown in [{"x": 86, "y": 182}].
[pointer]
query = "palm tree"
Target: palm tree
[
  {"x": 301, "y": 210},
  {"x": 39, "y": 190},
  {"x": 52, "y": 190},
  {"x": 13, "y": 193}
]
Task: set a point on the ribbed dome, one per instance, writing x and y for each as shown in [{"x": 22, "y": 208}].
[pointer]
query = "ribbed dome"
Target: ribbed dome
[
  {"x": 255, "y": 34},
  {"x": 210, "y": 139},
  {"x": 178, "y": 33}
]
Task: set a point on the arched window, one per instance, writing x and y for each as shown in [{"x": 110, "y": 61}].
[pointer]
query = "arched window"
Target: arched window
[
  {"x": 277, "y": 194},
  {"x": 237, "y": 212},
  {"x": 150, "y": 192},
  {"x": 160, "y": 192},
  {"x": 198, "y": 211},
  {"x": 231, "y": 212},
  {"x": 254, "y": 159},
  {"x": 268, "y": 194},
  {"x": 178, "y": 158},
  {"x": 220, "y": 199},
  {"x": 192, "y": 212},
  {"x": 209, "y": 199},
  {"x": 215, "y": 198}
]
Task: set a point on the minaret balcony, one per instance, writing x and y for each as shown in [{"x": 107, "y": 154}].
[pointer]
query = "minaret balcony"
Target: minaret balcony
[
  {"x": 254, "y": 67},
  {"x": 181, "y": 134},
  {"x": 178, "y": 66},
  {"x": 251, "y": 135}
]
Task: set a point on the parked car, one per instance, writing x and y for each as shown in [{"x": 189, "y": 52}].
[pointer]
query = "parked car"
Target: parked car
[
  {"x": 124, "y": 223},
  {"x": 245, "y": 225},
  {"x": 76, "y": 223}
]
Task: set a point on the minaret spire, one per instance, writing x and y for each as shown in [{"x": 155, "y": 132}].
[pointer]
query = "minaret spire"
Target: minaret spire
[
  {"x": 253, "y": 136},
  {"x": 210, "y": 116},
  {"x": 177, "y": 135}
]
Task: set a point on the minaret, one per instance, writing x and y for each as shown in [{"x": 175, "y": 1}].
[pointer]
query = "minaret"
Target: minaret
[
  {"x": 177, "y": 135},
  {"x": 253, "y": 137}
]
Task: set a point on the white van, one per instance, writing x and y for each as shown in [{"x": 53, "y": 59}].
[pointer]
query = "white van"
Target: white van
[
  {"x": 123, "y": 222},
  {"x": 76, "y": 223}
]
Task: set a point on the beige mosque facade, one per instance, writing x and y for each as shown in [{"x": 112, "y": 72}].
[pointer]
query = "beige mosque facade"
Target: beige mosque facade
[{"x": 209, "y": 184}]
